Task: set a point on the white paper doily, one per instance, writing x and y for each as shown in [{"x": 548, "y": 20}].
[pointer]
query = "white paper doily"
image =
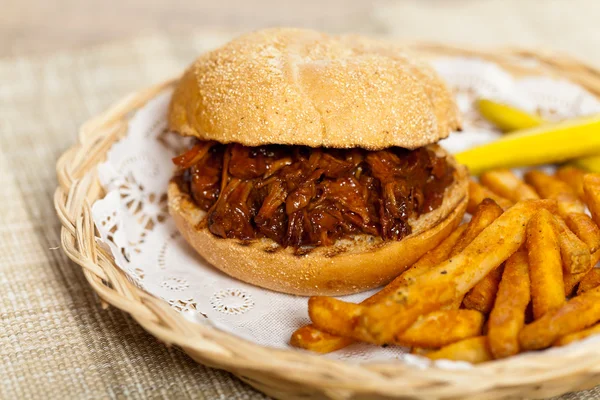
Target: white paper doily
[{"x": 133, "y": 219}]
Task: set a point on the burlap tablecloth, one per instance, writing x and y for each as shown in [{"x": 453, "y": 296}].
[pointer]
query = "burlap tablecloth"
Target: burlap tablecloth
[{"x": 55, "y": 339}]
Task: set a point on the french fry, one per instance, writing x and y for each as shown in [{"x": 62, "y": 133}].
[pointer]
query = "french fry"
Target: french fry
[
  {"x": 455, "y": 304},
  {"x": 590, "y": 281},
  {"x": 575, "y": 253},
  {"x": 440, "y": 328},
  {"x": 578, "y": 313},
  {"x": 421, "y": 351},
  {"x": 450, "y": 279},
  {"x": 485, "y": 213},
  {"x": 585, "y": 229},
  {"x": 577, "y": 336},
  {"x": 571, "y": 280},
  {"x": 505, "y": 183},
  {"x": 474, "y": 350},
  {"x": 423, "y": 264},
  {"x": 338, "y": 317},
  {"x": 569, "y": 206},
  {"x": 549, "y": 187},
  {"x": 573, "y": 177},
  {"x": 508, "y": 315},
  {"x": 428, "y": 261},
  {"x": 311, "y": 338},
  {"x": 435, "y": 329},
  {"x": 483, "y": 295},
  {"x": 478, "y": 193},
  {"x": 591, "y": 190},
  {"x": 545, "y": 265}
]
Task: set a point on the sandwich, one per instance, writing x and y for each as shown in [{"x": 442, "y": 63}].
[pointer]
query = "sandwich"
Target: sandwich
[{"x": 315, "y": 168}]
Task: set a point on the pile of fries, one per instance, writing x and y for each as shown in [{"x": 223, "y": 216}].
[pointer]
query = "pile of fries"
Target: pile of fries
[{"x": 519, "y": 276}]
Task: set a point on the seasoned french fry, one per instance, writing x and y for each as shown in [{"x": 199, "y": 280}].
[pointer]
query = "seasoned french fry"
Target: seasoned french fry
[
  {"x": 573, "y": 250},
  {"x": 484, "y": 214},
  {"x": 505, "y": 183},
  {"x": 450, "y": 279},
  {"x": 590, "y": 281},
  {"x": 338, "y": 317},
  {"x": 571, "y": 280},
  {"x": 575, "y": 253},
  {"x": 311, "y": 338},
  {"x": 585, "y": 229},
  {"x": 508, "y": 315},
  {"x": 474, "y": 350},
  {"x": 428, "y": 261},
  {"x": 549, "y": 187},
  {"x": 454, "y": 304},
  {"x": 573, "y": 177},
  {"x": 577, "y": 336},
  {"x": 482, "y": 296},
  {"x": 545, "y": 265},
  {"x": 440, "y": 328},
  {"x": 591, "y": 190},
  {"x": 435, "y": 329},
  {"x": 578, "y": 313},
  {"x": 570, "y": 207},
  {"x": 478, "y": 193},
  {"x": 421, "y": 351}
]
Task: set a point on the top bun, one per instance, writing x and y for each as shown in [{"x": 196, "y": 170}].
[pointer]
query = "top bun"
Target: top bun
[{"x": 301, "y": 87}]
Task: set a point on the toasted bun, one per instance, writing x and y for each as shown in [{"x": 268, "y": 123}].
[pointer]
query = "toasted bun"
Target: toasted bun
[
  {"x": 301, "y": 87},
  {"x": 349, "y": 266}
]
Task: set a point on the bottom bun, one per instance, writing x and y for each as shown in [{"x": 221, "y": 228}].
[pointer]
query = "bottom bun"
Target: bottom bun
[{"x": 348, "y": 266}]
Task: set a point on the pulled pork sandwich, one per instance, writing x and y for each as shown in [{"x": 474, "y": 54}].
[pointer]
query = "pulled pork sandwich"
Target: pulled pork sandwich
[{"x": 315, "y": 169}]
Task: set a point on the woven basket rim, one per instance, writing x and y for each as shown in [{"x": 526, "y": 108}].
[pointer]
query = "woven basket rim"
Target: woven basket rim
[{"x": 291, "y": 373}]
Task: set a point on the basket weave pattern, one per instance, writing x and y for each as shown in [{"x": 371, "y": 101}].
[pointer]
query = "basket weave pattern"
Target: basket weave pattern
[{"x": 295, "y": 374}]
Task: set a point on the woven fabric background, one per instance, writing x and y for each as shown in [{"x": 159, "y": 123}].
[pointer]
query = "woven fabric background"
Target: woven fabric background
[{"x": 56, "y": 341}]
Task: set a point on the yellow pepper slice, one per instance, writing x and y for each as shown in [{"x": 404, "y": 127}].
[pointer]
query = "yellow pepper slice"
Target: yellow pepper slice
[
  {"x": 509, "y": 119},
  {"x": 505, "y": 117},
  {"x": 591, "y": 163},
  {"x": 545, "y": 144}
]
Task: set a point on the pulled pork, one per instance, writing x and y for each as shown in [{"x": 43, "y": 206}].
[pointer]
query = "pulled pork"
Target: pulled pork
[{"x": 300, "y": 196}]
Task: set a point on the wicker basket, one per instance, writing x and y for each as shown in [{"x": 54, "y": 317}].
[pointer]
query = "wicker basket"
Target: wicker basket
[{"x": 295, "y": 374}]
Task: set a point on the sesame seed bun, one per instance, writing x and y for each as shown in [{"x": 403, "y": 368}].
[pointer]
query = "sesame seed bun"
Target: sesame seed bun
[
  {"x": 301, "y": 87},
  {"x": 349, "y": 266}
]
